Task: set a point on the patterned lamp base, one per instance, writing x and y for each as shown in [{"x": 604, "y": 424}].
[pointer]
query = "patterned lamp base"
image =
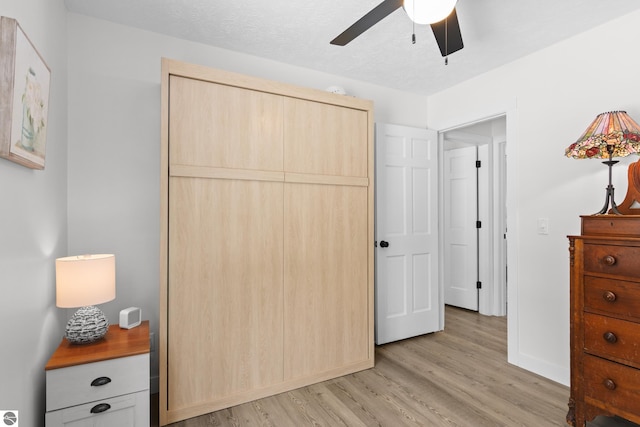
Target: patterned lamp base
[{"x": 87, "y": 325}]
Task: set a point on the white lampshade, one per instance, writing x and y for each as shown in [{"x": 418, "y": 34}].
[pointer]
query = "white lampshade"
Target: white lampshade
[
  {"x": 428, "y": 11},
  {"x": 85, "y": 280}
]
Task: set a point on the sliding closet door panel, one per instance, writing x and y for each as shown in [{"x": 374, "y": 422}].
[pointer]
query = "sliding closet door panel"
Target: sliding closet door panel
[
  {"x": 225, "y": 288},
  {"x": 223, "y": 126},
  {"x": 324, "y": 139},
  {"x": 326, "y": 313}
]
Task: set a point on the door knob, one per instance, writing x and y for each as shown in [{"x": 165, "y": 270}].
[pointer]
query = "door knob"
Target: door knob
[{"x": 384, "y": 244}]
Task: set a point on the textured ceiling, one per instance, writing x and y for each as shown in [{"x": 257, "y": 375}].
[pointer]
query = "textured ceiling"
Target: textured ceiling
[{"x": 298, "y": 32}]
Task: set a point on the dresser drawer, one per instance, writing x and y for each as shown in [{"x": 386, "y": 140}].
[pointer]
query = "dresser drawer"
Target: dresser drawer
[
  {"x": 618, "y": 297},
  {"x": 611, "y": 385},
  {"x": 622, "y": 225},
  {"x": 609, "y": 337},
  {"x": 73, "y": 385},
  {"x": 612, "y": 259},
  {"x": 130, "y": 410}
]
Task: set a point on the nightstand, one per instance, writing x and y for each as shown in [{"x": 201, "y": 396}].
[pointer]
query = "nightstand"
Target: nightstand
[{"x": 103, "y": 383}]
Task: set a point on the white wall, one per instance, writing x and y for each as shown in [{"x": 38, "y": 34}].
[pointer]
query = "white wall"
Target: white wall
[
  {"x": 114, "y": 142},
  {"x": 553, "y": 96},
  {"x": 33, "y": 229},
  {"x": 113, "y": 123}
]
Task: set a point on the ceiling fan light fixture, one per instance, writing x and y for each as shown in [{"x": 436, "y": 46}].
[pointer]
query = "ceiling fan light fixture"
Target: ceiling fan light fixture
[{"x": 428, "y": 11}]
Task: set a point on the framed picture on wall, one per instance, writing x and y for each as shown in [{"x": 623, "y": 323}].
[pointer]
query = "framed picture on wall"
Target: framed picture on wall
[{"x": 24, "y": 97}]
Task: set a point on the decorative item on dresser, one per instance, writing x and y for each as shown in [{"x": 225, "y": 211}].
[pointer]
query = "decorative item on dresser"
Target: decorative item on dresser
[
  {"x": 130, "y": 317},
  {"x": 103, "y": 383},
  {"x": 611, "y": 134}
]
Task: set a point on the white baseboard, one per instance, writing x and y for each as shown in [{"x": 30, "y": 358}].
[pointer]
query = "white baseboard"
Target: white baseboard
[{"x": 559, "y": 374}]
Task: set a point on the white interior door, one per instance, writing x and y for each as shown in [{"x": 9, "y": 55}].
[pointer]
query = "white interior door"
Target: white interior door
[
  {"x": 460, "y": 232},
  {"x": 407, "y": 293}
]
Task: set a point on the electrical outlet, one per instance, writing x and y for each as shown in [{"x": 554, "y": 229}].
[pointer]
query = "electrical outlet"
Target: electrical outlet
[{"x": 152, "y": 342}]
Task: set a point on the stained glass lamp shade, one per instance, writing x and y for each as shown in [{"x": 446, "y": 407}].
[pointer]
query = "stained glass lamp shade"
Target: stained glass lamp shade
[{"x": 612, "y": 134}]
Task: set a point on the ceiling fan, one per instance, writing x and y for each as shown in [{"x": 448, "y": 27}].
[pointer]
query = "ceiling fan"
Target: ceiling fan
[{"x": 440, "y": 14}]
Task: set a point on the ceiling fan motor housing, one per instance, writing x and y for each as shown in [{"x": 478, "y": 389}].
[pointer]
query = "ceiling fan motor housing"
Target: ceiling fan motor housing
[{"x": 428, "y": 11}]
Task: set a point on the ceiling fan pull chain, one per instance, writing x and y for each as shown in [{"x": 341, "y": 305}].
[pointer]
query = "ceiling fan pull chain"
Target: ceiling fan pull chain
[
  {"x": 446, "y": 39},
  {"x": 413, "y": 36}
]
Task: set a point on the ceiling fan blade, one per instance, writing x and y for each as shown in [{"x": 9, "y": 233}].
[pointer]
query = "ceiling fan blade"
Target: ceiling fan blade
[
  {"x": 448, "y": 35},
  {"x": 376, "y": 15}
]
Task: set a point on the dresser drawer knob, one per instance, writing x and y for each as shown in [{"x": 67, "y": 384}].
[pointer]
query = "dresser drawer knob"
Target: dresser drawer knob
[
  {"x": 609, "y": 260},
  {"x": 610, "y": 337},
  {"x": 609, "y": 296},
  {"x": 100, "y": 407},
  {"x": 608, "y": 383},
  {"x": 100, "y": 381}
]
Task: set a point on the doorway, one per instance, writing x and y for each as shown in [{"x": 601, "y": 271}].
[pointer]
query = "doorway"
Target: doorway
[
  {"x": 396, "y": 211},
  {"x": 473, "y": 195}
]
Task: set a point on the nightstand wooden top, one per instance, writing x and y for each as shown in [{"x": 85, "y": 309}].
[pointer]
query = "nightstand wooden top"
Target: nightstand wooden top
[{"x": 116, "y": 343}]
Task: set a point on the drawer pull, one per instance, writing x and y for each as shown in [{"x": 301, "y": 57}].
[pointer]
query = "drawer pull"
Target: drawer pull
[
  {"x": 609, "y": 296},
  {"x": 608, "y": 383},
  {"x": 101, "y": 407},
  {"x": 609, "y": 260},
  {"x": 100, "y": 381},
  {"x": 610, "y": 337}
]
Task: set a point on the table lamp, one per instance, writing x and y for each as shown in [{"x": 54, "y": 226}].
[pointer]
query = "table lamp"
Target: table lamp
[
  {"x": 611, "y": 134},
  {"x": 82, "y": 281}
]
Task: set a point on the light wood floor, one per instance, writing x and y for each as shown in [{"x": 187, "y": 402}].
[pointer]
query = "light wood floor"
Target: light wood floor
[{"x": 458, "y": 377}]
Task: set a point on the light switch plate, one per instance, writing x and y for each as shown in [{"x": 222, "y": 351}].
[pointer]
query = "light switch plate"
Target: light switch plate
[{"x": 543, "y": 225}]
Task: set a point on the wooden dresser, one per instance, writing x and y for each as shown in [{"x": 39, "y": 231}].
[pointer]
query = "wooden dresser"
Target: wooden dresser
[{"x": 605, "y": 319}]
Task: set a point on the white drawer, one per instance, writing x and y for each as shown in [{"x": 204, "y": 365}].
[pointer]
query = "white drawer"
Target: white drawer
[
  {"x": 72, "y": 386},
  {"x": 131, "y": 410}
]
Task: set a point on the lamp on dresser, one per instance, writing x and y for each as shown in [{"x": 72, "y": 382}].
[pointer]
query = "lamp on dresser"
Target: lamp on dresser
[
  {"x": 611, "y": 134},
  {"x": 83, "y": 281},
  {"x": 605, "y": 286}
]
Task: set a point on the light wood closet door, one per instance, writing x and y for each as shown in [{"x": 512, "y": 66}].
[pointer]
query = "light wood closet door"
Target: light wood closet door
[
  {"x": 225, "y": 240},
  {"x": 224, "y": 126},
  {"x": 326, "y": 288},
  {"x": 326, "y": 314},
  {"x": 225, "y": 288},
  {"x": 324, "y": 139}
]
